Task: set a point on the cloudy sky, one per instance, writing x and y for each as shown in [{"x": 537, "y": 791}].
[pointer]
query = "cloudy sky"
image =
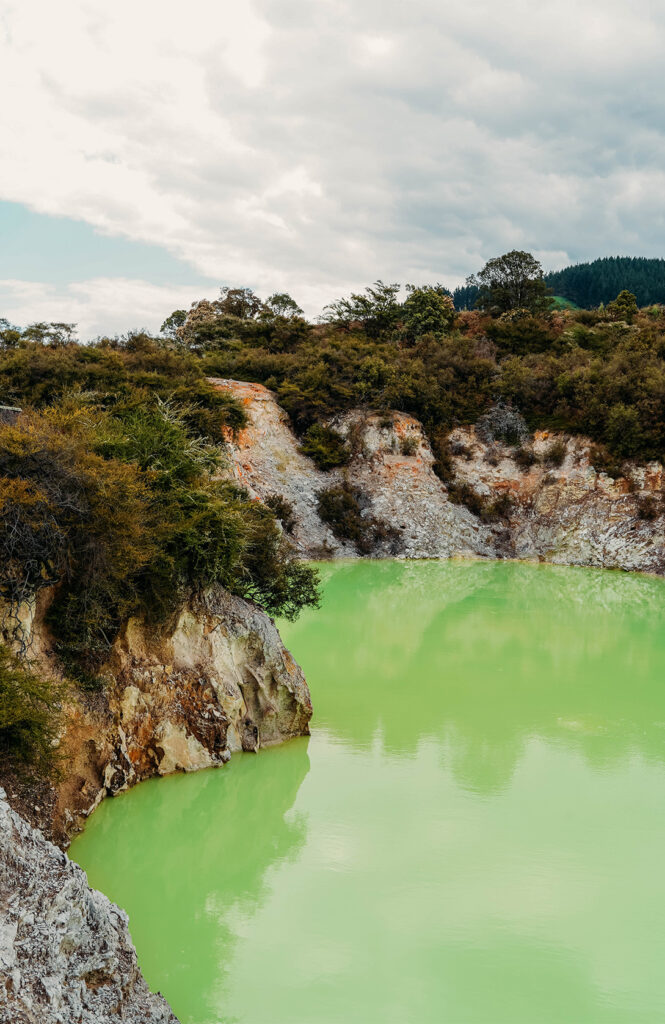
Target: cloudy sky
[{"x": 153, "y": 150}]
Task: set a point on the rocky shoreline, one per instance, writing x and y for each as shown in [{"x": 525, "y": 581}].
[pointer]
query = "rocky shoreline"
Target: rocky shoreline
[{"x": 218, "y": 679}]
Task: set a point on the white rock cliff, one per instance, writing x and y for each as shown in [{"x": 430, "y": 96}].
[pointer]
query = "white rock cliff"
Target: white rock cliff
[{"x": 568, "y": 514}]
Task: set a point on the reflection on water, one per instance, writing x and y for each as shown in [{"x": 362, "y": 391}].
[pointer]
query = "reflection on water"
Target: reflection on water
[
  {"x": 479, "y": 836},
  {"x": 487, "y": 656},
  {"x": 187, "y": 860}
]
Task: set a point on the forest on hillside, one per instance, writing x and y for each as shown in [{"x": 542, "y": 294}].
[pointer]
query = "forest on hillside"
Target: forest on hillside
[{"x": 588, "y": 285}]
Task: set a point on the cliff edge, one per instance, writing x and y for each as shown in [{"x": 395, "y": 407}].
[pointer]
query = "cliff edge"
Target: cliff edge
[{"x": 499, "y": 501}]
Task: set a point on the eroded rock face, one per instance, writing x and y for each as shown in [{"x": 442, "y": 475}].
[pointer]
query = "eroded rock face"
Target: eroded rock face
[
  {"x": 182, "y": 698},
  {"x": 404, "y": 490},
  {"x": 568, "y": 514},
  {"x": 178, "y": 698},
  {"x": 266, "y": 459},
  {"x": 65, "y": 950},
  {"x": 406, "y": 493}
]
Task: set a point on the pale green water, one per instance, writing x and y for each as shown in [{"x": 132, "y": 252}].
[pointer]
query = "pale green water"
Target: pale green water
[{"x": 475, "y": 831}]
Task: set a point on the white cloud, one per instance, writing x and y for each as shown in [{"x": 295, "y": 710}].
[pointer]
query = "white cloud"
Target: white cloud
[
  {"x": 312, "y": 147},
  {"x": 102, "y": 305}
]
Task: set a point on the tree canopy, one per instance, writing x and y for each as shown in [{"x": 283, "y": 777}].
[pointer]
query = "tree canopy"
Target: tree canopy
[{"x": 512, "y": 281}]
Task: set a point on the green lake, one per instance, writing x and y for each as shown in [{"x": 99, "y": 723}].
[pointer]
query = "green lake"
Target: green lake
[{"x": 474, "y": 831}]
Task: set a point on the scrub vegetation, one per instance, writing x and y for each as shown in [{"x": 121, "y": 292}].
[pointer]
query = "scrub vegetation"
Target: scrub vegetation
[
  {"x": 110, "y": 496},
  {"x": 110, "y": 491},
  {"x": 597, "y": 372},
  {"x": 29, "y": 715}
]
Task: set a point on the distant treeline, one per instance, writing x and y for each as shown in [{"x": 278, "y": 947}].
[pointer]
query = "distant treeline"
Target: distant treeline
[{"x": 590, "y": 284}]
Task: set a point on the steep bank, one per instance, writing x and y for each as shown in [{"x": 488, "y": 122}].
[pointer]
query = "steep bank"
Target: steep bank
[
  {"x": 65, "y": 951},
  {"x": 217, "y": 680},
  {"x": 185, "y": 696},
  {"x": 404, "y": 490},
  {"x": 567, "y": 513}
]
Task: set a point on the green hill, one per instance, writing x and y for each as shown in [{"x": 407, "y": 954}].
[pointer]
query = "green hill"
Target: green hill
[{"x": 589, "y": 284}]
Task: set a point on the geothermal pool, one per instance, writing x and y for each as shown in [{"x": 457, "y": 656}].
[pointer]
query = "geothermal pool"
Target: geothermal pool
[{"x": 474, "y": 832}]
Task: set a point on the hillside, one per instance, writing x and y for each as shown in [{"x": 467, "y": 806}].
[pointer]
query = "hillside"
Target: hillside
[{"x": 589, "y": 284}]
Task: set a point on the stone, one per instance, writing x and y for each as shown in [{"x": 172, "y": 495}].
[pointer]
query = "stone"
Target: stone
[
  {"x": 66, "y": 954},
  {"x": 567, "y": 515}
]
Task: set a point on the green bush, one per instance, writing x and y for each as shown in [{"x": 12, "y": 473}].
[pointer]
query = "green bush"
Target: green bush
[
  {"x": 525, "y": 458},
  {"x": 134, "y": 372},
  {"x": 463, "y": 494},
  {"x": 325, "y": 446},
  {"x": 408, "y": 445},
  {"x": 123, "y": 515},
  {"x": 488, "y": 511},
  {"x": 555, "y": 454},
  {"x": 283, "y": 511},
  {"x": 29, "y": 717},
  {"x": 72, "y": 518},
  {"x": 345, "y": 510}
]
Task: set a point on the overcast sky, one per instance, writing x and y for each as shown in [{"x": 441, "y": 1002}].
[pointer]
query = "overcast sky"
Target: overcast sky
[{"x": 153, "y": 150}]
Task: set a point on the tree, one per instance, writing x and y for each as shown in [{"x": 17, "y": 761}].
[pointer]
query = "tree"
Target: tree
[
  {"x": 512, "y": 281},
  {"x": 281, "y": 304},
  {"x": 51, "y": 333},
  {"x": 377, "y": 311},
  {"x": 9, "y": 335},
  {"x": 427, "y": 310},
  {"x": 624, "y": 307},
  {"x": 243, "y": 303},
  {"x": 173, "y": 323}
]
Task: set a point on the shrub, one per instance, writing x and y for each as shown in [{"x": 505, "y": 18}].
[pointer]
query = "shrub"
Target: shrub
[
  {"x": 525, "y": 458},
  {"x": 555, "y": 454},
  {"x": 502, "y": 423},
  {"x": 458, "y": 448},
  {"x": 283, "y": 510},
  {"x": 428, "y": 310},
  {"x": 325, "y": 446},
  {"x": 487, "y": 510},
  {"x": 464, "y": 494},
  {"x": 604, "y": 461},
  {"x": 408, "y": 445},
  {"x": 648, "y": 508},
  {"x": 500, "y": 508},
  {"x": 135, "y": 371},
  {"x": 122, "y": 513},
  {"x": 70, "y": 517},
  {"x": 441, "y": 449},
  {"x": 29, "y": 717},
  {"x": 342, "y": 507}
]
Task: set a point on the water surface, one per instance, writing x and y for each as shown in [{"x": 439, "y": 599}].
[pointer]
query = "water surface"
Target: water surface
[{"x": 474, "y": 832}]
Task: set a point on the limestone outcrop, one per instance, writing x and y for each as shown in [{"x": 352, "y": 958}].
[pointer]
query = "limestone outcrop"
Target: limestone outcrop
[
  {"x": 65, "y": 950},
  {"x": 567, "y": 513}
]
